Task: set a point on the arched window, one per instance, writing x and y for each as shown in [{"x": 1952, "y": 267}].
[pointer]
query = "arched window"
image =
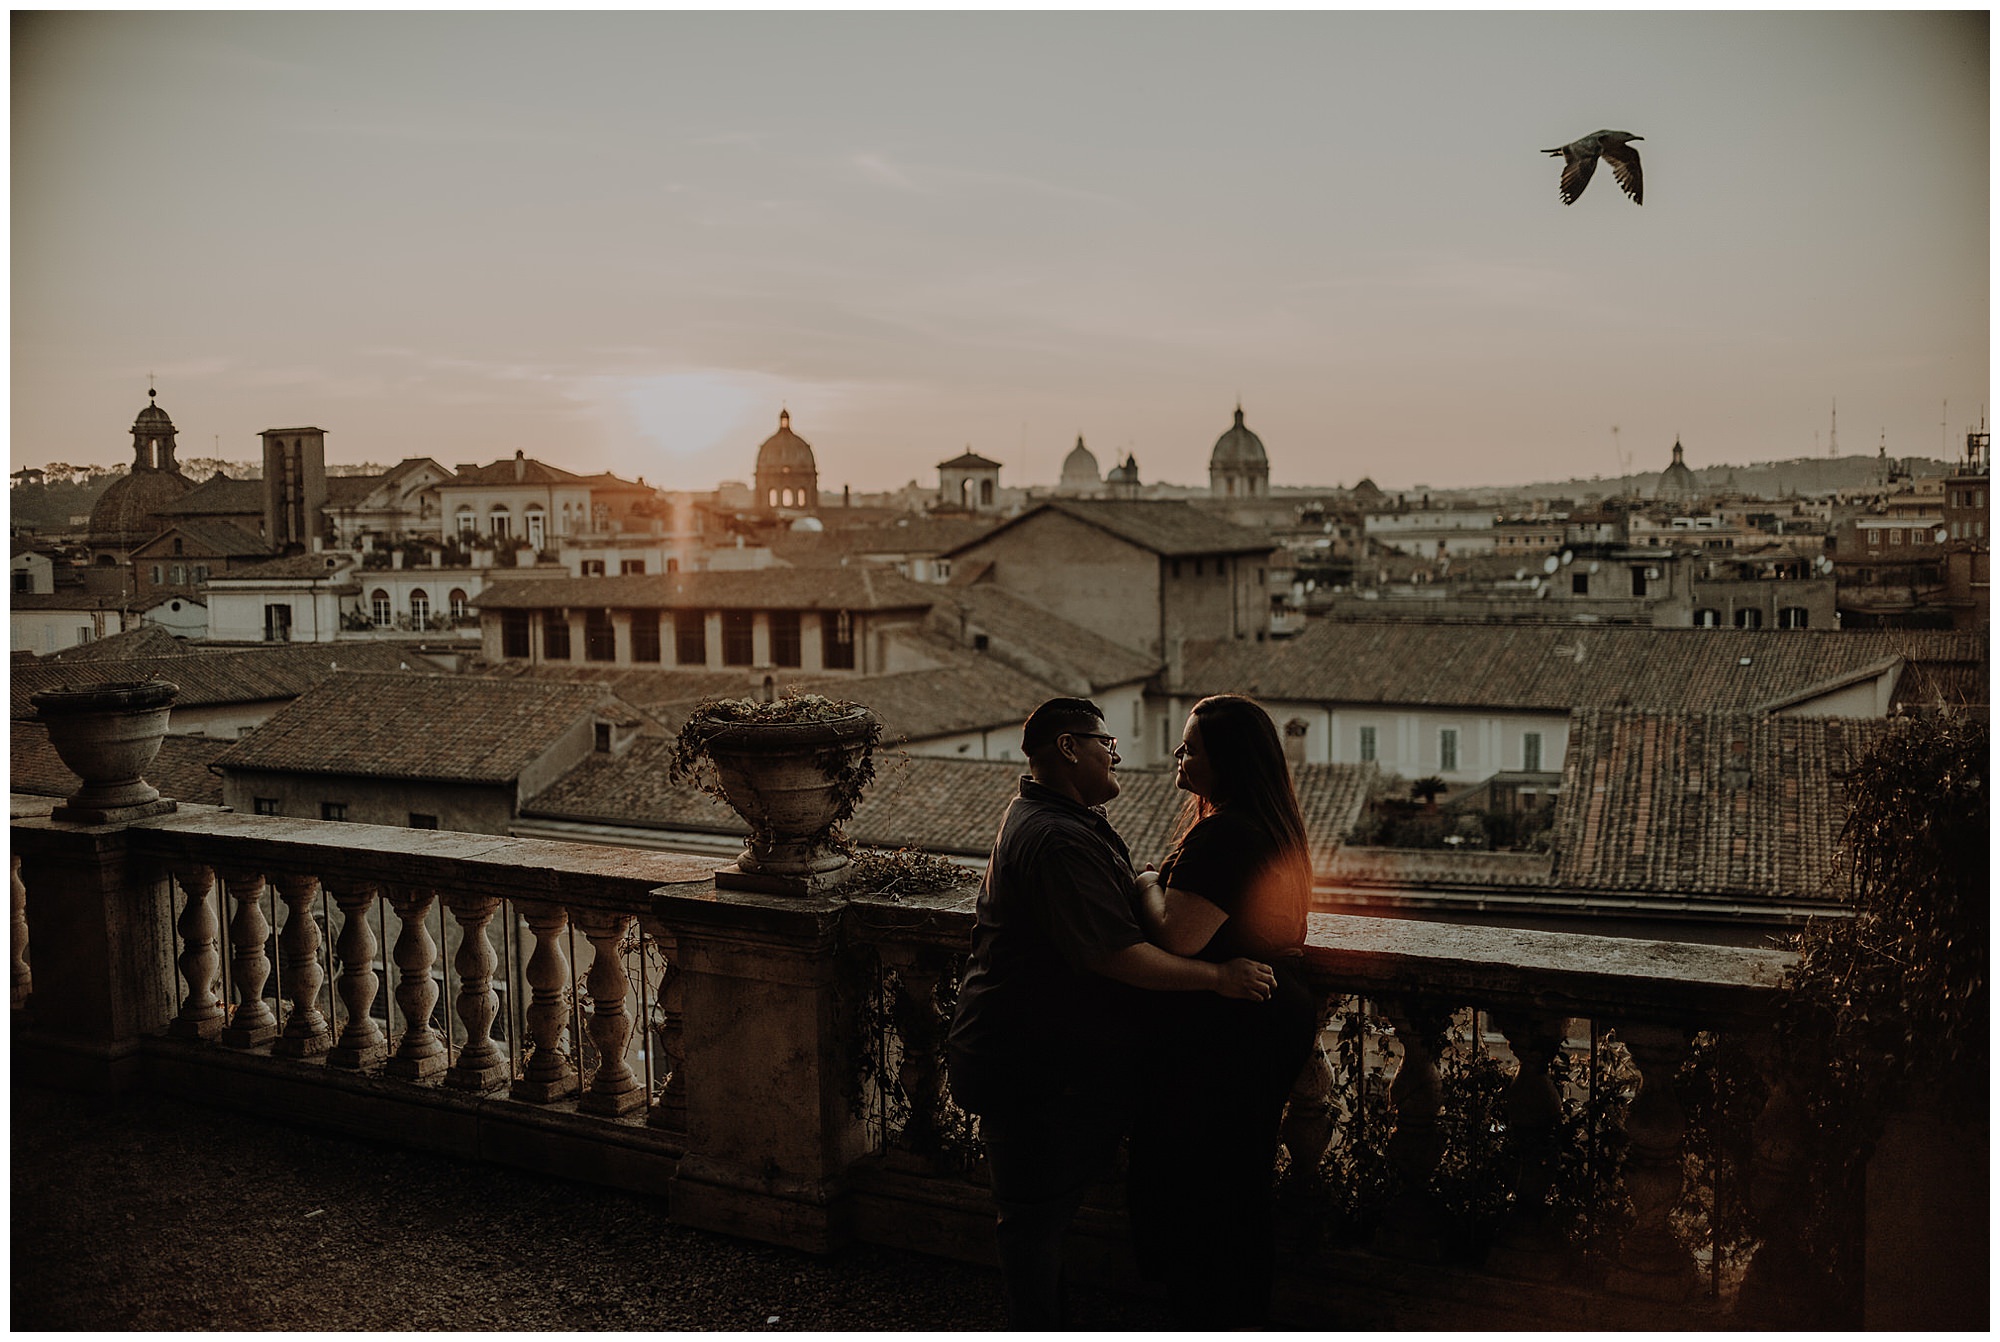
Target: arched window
[
  {"x": 787, "y": 496},
  {"x": 457, "y": 603},
  {"x": 378, "y": 601},
  {"x": 467, "y": 520},
  {"x": 420, "y": 607}
]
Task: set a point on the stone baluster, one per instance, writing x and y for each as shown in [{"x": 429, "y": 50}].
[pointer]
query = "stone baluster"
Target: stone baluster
[
  {"x": 361, "y": 1043},
  {"x": 254, "y": 1022},
  {"x": 306, "y": 1033},
  {"x": 420, "y": 1054},
  {"x": 670, "y": 1110},
  {"x": 1652, "y": 1262},
  {"x": 1531, "y": 1245},
  {"x": 615, "y": 1089},
  {"x": 481, "y": 1064},
  {"x": 1308, "y": 1126},
  {"x": 548, "y": 1074},
  {"x": 1777, "y": 1286},
  {"x": 921, "y": 1029},
  {"x": 20, "y": 896},
  {"x": 1412, "y": 1223},
  {"x": 201, "y": 1015}
]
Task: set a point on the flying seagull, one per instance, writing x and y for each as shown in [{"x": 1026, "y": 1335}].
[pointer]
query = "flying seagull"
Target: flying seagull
[{"x": 1580, "y": 160}]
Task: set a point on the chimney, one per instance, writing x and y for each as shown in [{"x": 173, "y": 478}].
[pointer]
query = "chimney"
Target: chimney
[
  {"x": 467, "y": 467},
  {"x": 520, "y": 464}
]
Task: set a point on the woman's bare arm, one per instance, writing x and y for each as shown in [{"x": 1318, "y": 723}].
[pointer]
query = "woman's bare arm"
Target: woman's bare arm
[{"x": 1178, "y": 921}]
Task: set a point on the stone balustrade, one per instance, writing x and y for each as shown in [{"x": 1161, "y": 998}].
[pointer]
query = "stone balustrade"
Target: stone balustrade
[{"x": 711, "y": 1045}]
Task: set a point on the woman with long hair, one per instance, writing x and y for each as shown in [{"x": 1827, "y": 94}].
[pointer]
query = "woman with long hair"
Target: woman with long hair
[{"x": 1236, "y": 882}]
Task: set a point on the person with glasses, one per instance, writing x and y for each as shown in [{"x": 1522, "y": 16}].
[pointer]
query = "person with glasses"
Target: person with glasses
[
  {"x": 1236, "y": 882},
  {"x": 1058, "y": 999}
]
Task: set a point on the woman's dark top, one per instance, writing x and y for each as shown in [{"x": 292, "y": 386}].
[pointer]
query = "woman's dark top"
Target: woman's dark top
[{"x": 1234, "y": 865}]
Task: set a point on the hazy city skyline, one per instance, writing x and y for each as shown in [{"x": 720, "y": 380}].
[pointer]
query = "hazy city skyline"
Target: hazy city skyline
[{"x": 623, "y": 241}]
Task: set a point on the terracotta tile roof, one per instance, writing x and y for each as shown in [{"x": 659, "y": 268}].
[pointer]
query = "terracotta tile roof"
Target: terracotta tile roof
[
  {"x": 501, "y": 472},
  {"x": 1717, "y": 804},
  {"x": 649, "y": 689},
  {"x": 940, "y": 805},
  {"x": 904, "y": 536},
  {"x": 856, "y": 587},
  {"x": 292, "y": 566},
  {"x": 208, "y": 536},
  {"x": 1032, "y": 638},
  {"x": 344, "y": 491},
  {"x": 70, "y": 600},
  {"x": 236, "y": 676},
  {"x": 466, "y": 729},
  {"x": 148, "y": 640},
  {"x": 218, "y": 496},
  {"x": 968, "y": 694},
  {"x": 180, "y": 771},
  {"x": 1557, "y": 667},
  {"x": 1167, "y": 527}
]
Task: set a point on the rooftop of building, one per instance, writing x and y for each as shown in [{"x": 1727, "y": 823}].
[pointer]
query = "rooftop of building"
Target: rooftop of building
[
  {"x": 1171, "y": 528},
  {"x": 1559, "y": 667},
  {"x": 209, "y": 677},
  {"x": 415, "y": 725},
  {"x": 860, "y": 587}
]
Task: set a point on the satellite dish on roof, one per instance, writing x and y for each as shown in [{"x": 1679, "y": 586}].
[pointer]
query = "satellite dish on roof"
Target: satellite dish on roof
[
  {"x": 1548, "y": 566},
  {"x": 1567, "y": 556}
]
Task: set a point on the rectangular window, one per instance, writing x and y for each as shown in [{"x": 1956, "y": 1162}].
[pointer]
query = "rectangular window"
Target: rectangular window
[
  {"x": 1874, "y": 538},
  {"x": 785, "y": 640},
  {"x": 24, "y": 582},
  {"x": 201, "y": 573},
  {"x": 156, "y": 574},
  {"x": 1579, "y": 584},
  {"x": 514, "y": 633},
  {"x": 264, "y": 805},
  {"x": 1367, "y": 745},
  {"x": 593, "y": 568},
  {"x": 600, "y": 643},
  {"x": 1895, "y": 535},
  {"x": 555, "y": 636},
  {"x": 418, "y": 820},
  {"x": 333, "y": 810},
  {"x": 1638, "y": 582},
  {"x": 1531, "y": 752},
  {"x": 738, "y": 647},
  {"x": 836, "y": 641},
  {"x": 645, "y": 636},
  {"x": 602, "y": 738},
  {"x": 278, "y": 624},
  {"x": 1448, "y": 750},
  {"x": 626, "y": 566},
  {"x": 690, "y": 638}
]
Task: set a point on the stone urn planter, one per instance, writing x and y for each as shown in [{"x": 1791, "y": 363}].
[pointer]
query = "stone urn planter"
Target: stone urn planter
[
  {"x": 108, "y": 735},
  {"x": 793, "y": 768}
]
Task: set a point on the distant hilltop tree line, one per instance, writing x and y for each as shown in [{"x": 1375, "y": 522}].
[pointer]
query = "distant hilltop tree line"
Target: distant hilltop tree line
[{"x": 194, "y": 468}]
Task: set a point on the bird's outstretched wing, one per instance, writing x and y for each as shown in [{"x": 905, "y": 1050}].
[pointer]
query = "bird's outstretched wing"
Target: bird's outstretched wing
[
  {"x": 1625, "y": 165},
  {"x": 1577, "y": 167}
]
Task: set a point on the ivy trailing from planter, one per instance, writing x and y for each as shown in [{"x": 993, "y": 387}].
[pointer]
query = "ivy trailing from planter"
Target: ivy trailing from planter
[{"x": 848, "y": 770}]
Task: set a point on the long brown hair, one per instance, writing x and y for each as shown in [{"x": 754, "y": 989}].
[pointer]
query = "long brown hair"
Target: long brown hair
[{"x": 1254, "y": 784}]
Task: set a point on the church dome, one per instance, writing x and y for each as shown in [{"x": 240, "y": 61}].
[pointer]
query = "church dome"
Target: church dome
[
  {"x": 1237, "y": 448},
  {"x": 785, "y": 450},
  {"x": 127, "y": 513},
  {"x": 1080, "y": 466},
  {"x": 1677, "y": 481}
]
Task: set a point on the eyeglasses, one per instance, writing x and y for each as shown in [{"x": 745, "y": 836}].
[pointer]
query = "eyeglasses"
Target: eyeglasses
[{"x": 1110, "y": 742}]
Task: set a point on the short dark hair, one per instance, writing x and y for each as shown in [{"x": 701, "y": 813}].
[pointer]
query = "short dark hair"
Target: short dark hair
[{"x": 1055, "y": 717}]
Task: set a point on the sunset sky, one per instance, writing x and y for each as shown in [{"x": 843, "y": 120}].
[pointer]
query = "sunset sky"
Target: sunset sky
[{"x": 623, "y": 241}]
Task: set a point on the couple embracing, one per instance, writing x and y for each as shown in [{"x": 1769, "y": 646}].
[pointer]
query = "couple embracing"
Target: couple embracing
[{"x": 1165, "y": 1006}]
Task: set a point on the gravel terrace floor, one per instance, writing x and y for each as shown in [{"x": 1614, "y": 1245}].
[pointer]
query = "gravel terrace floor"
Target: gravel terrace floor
[{"x": 140, "y": 1212}]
